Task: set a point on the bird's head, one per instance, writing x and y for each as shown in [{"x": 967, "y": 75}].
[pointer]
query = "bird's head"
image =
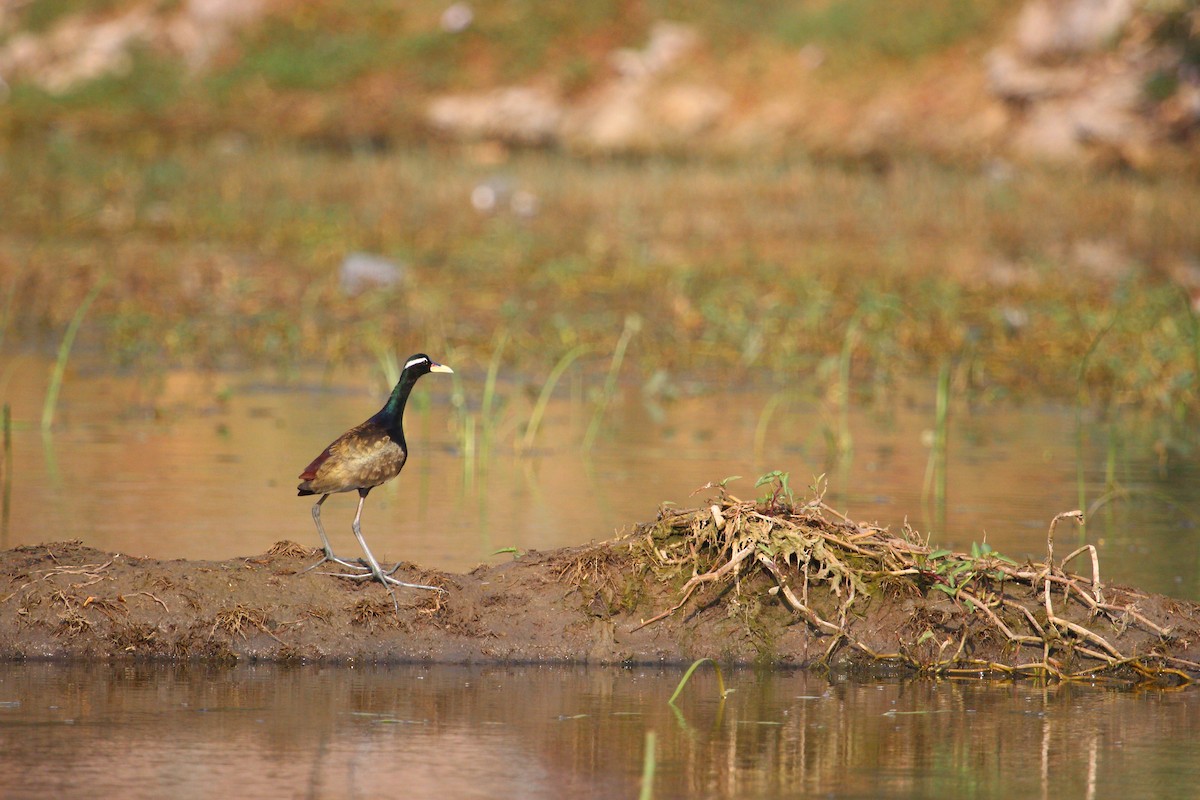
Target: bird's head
[{"x": 421, "y": 364}]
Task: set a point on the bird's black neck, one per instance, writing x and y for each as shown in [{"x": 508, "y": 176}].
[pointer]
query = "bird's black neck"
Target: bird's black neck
[{"x": 391, "y": 416}]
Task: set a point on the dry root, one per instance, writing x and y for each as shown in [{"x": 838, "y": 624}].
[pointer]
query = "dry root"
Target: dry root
[{"x": 1055, "y": 615}]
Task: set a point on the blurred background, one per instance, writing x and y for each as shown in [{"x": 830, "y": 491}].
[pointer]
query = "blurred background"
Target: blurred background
[
  {"x": 935, "y": 260},
  {"x": 938, "y": 259}
]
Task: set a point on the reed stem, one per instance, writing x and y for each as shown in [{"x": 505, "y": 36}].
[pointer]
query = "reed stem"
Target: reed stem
[
  {"x": 648, "y": 765},
  {"x": 64, "y": 351},
  {"x": 539, "y": 407},
  {"x": 633, "y": 323}
]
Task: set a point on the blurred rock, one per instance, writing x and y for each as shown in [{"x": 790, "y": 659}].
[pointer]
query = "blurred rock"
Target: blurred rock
[
  {"x": 523, "y": 115},
  {"x": 811, "y": 57},
  {"x": 363, "y": 271},
  {"x": 669, "y": 43},
  {"x": 524, "y": 204},
  {"x": 1015, "y": 319},
  {"x": 1103, "y": 120},
  {"x": 1073, "y": 76},
  {"x": 1104, "y": 259},
  {"x": 641, "y": 115},
  {"x": 75, "y": 50},
  {"x": 202, "y": 27},
  {"x": 640, "y": 107},
  {"x": 1006, "y": 274},
  {"x": 85, "y": 46},
  {"x": 1012, "y": 78},
  {"x": 457, "y": 18},
  {"x": 499, "y": 191},
  {"x": 1049, "y": 29}
]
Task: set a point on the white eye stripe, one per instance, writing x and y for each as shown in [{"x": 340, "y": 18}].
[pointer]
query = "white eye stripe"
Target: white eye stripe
[{"x": 416, "y": 361}]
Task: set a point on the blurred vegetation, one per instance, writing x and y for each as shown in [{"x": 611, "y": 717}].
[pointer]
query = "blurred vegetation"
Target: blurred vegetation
[
  {"x": 228, "y": 253},
  {"x": 221, "y": 206},
  {"x": 335, "y": 70}
]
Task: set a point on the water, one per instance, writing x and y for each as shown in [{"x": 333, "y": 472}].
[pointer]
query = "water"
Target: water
[
  {"x": 204, "y": 466},
  {"x": 201, "y": 466},
  {"x": 183, "y": 731}
]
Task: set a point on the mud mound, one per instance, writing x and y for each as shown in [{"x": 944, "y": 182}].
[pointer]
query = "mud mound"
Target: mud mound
[
  {"x": 771, "y": 582},
  {"x": 872, "y": 598}
]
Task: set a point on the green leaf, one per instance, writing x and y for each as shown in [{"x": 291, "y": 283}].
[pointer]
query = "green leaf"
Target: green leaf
[
  {"x": 768, "y": 478},
  {"x": 516, "y": 552}
]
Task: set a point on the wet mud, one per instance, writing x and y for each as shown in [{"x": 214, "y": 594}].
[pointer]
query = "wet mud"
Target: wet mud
[{"x": 788, "y": 587}]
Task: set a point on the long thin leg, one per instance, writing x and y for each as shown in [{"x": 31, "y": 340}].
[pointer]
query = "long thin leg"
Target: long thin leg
[
  {"x": 329, "y": 556},
  {"x": 377, "y": 573}
]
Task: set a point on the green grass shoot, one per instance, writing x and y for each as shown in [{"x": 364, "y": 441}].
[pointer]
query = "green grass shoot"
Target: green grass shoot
[
  {"x": 935, "y": 467},
  {"x": 389, "y": 365},
  {"x": 64, "y": 352},
  {"x": 539, "y": 407},
  {"x": 8, "y": 466},
  {"x": 633, "y": 324},
  {"x": 487, "y": 423},
  {"x": 1080, "y": 405},
  {"x": 649, "y": 760},
  {"x": 688, "y": 675},
  {"x": 764, "y": 422},
  {"x": 844, "y": 441},
  {"x": 7, "y": 313},
  {"x": 515, "y": 552}
]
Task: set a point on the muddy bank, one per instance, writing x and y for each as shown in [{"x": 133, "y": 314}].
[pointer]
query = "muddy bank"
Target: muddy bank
[{"x": 744, "y": 582}]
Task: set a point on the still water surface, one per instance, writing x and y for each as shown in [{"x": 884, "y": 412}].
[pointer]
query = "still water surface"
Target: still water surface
[
  {"x": 537, "y": 732},
  {"x": 203, "y": 466}
]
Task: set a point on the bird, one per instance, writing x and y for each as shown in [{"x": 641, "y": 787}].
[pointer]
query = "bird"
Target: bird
[{"x": 360, "y": 459}]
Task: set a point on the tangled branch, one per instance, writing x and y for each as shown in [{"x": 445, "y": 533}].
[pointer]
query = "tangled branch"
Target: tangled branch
[{"x": 1063, "y": 616}]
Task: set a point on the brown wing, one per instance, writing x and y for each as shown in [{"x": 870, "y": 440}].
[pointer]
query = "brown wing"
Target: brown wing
[
  {"x": 310, "y": 471},
  {"x": 362, "y": 457}
]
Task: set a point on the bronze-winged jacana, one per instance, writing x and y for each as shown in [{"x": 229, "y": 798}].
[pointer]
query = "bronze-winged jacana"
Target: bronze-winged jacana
[{"x": 362, "y": 458}]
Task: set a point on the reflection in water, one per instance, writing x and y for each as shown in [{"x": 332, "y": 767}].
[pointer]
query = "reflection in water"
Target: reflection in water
[
  {"x": 204, "y": 466},
  {"x": 206, "y": 469},
  {"x": 418, "y": 731}
]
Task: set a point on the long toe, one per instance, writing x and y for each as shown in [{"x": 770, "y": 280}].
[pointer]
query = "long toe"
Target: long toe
[
  {"x": 355, "y": 564},
  {"x": 386, "y": 579},
  {"x": 314, "y": 566},
  {"x": 328, "y": 557},
  {"x": 390, "y": 581}
]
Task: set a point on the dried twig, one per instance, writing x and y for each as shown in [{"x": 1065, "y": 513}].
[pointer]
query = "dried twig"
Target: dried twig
[{"x": 718, "y": 540}]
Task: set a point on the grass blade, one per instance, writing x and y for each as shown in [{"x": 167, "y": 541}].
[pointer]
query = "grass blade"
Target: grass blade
[
  {"x": 539, "y": 408},
  {"x": 764, "y": 421},
  {"x": 633, "y": 323},
  {"x": 688, "y": 675},
  {"x": 489, "y": 386},
  {"x": 64, "y": 351},
  {"x": 648, "y": 764},
  {"x": 1080, "y": 399},
  {"x": 487, "y": 418},
  {"x": 4, "y": 317},
  {"x": 8, "y": 466},
  {"x": 935, "y": 467}
]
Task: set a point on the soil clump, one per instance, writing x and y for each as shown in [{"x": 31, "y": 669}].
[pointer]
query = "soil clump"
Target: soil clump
[{"x": 769, "y": 582}]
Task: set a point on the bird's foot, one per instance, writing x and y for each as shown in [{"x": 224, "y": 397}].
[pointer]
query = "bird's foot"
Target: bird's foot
[
  {"x": 329, "y": 556},
  {"x": 386, "y": 579}
]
